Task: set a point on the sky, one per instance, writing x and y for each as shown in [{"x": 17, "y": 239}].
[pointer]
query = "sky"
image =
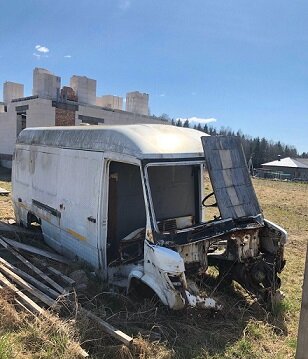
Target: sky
[{"x": 242, "y": 64}]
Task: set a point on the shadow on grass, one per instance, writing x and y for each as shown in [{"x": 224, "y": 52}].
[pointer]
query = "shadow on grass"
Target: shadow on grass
[{"x": 190, "y": 333}]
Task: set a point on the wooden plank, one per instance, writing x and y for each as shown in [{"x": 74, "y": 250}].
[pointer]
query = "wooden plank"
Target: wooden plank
[
  {"x": 27, "y": 286},
  {"x": 4, "y": 192},
  {"x": 55, "y": 285},
  {"x": 34, "y": 307},
  {"x": 35, "y": 250},
  {"x": 24, "y": 307},
  {"x": 67, "y": 279},
  {"x": 302, "y": 342},
  {"x": 4, "y": 227},
  {"x": 31, "y": 279},
  {"x": 108, "y": 328}
]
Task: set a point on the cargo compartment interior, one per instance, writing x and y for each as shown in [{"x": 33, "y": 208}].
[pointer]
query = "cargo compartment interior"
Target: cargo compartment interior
[{"x": 126, "y": 208}]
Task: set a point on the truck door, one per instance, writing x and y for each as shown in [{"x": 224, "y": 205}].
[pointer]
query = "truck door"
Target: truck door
[
  {"x": 230, "y": 178},
  {"x": 126, "y": 213},
  {"x": 79, "y": 193},
  {"x": 112, "y": 239}
]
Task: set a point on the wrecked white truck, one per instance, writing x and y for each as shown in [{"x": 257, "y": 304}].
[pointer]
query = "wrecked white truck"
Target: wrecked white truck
[{"x": 130, "y": 201}]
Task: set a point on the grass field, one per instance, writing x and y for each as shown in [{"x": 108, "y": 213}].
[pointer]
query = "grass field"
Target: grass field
[{"x": 242, "y": 330}]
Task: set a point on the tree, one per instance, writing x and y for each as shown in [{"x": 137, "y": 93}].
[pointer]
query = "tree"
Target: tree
[
  {"x": 261, "y": 150},
  {"x": 165, "y": 116},
  {"x": 179, "y": 123},
  {"x": 186, "y": 123}
]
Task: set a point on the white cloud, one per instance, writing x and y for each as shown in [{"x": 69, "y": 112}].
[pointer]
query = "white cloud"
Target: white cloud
[
  {"x": 36, "y": 55},
  {"x": 196, "y": 120},
  {"x": 67, "y": 56},
  {"x": 162, "y": 95},
  {"x": 42, "y": 49}
]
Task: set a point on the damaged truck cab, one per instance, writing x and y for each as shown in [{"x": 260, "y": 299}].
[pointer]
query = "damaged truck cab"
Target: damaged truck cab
[{"x": 131, "y": 201}]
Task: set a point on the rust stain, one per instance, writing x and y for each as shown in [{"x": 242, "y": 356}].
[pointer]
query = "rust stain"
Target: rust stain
[{"x": 76, "y": 234}]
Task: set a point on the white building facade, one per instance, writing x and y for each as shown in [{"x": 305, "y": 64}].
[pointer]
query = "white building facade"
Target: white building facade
[
  {"x": 84, "y": 88},
  {"x": 12, "y": 90},
  {"x": 45, "y": 84},
  {"x": 52, "y": 106},
  {"x": 137, "y": 102},
  {"x": 110, "y": 101}
]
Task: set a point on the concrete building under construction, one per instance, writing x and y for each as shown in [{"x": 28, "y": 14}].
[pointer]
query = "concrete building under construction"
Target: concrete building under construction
[
  {"x": 137, "y": 102},
  {"x": 84, "y": 88},
  {"x": 12, "y": 90},
  {"x": 51, "y": 105},
  {"x": 110, "y": 101},
  {"x": 45, "y": 84}
]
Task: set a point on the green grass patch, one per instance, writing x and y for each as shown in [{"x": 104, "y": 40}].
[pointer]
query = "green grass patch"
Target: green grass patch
[{"x": 6, "y": 347}]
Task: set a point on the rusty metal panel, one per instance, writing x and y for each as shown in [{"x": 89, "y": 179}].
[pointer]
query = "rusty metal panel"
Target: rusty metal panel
[{"x": 230, "y": 178}]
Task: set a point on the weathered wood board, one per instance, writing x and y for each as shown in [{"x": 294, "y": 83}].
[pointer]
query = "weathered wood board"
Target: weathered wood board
[
  {"x": 302, "y": 340},
  {"x": 4, "y": 192}
]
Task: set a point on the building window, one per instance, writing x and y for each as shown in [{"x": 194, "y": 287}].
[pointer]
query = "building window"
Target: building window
[
  {"x": 21, "y": 122},
  {"x": 91, "y": 120}
]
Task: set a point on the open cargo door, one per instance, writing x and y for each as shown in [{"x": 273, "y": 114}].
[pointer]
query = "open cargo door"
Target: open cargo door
[{"x": 230, "y": 178}]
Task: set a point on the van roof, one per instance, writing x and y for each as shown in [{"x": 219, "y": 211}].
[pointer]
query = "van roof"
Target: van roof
[{"x": 142, "y": 141}]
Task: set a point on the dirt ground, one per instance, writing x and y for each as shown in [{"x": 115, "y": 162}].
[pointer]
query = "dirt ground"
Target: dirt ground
[{"x": 242, "y": 330}]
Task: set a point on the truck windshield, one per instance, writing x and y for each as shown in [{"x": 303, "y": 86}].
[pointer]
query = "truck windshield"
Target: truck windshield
[{"x": 175, "y": 192}]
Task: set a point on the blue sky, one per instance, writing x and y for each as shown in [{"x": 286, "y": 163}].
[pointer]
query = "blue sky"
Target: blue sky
[{"x": 243, "y": 63}]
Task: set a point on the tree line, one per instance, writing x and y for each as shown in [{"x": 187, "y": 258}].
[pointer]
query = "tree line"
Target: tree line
[{"x": 261, "y": 150}]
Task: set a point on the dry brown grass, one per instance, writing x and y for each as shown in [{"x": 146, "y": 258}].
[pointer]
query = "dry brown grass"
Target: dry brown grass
[
  {"x": 242, "y": 330},
  {"x": 24, "y": 336},
  {"x": 6, "y": 208}
]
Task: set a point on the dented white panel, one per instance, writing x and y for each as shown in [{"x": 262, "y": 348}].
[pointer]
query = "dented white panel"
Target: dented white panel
[
  {"x": 78, "y": 199},
  {"x": 140, "y": 141}
]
